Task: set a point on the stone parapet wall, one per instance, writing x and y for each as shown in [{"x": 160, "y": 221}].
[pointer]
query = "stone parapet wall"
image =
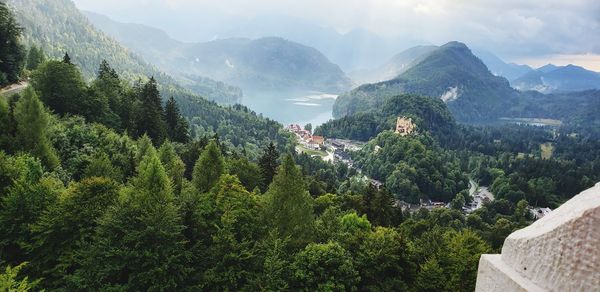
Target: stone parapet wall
[{"x": 560, "y": 252}]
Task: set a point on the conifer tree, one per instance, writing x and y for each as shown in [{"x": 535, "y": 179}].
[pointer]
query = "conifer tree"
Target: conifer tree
[
  {"x": 139, "y": 243},
  {"x": 35, "y": 57},
  {"x": 32, "y": 125},
  {"x": 289, "y": 206},
  {"x": 208, "y": 168},
  {"x": 268, "y": 164},
  {"x": 12, "y": 52},
  {"x": 5, "y": 125},
  {"x": 177, "y": 126},
  {"x": 149, "y": 113},
  {"x": 108, "y": 85},
  {"x": 66, "y": 225},
  {"x": 67, "y": 59},
  {"x": 173, "y": 165},
  {"x": 62, "y": 88}
]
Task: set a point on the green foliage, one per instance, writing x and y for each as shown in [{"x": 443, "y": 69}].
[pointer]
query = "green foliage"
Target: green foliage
[
  {"x": 248, "y": 173},
  {"x": 208, "y": 168},
  {"x": 429, "y": 115},
  {"x": 289, "y": 207},
  {"x": 61, "y": 87},
  {"x": 67, "y": 225},
  {"x": 325, "y": 267},
  {"x": 268, "y": 165},
  {"x": 12, "y": 52},
  {"x": 32, "y": 127},
  {"x": 9, "y": 280},
  {"x": 413, "y": 168},
  {"x": 177, "y": 126},
  {"x": 24, "y": 201},
  {"x": 138, "y": 244},
  {"x": 35, "y": 57}
]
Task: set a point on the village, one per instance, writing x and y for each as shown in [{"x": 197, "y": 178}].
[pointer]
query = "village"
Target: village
[{"x": 338, "y": 150}]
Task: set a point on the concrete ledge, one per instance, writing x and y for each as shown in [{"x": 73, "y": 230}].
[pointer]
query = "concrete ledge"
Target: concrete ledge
[
  {"x": 496, "y": 276},
  {"x": 560, "y": 252}
]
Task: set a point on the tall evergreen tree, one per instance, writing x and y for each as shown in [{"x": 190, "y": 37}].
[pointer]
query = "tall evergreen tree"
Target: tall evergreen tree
[
  {"x": 268, "y": 164},
  {"x": 108, "y": 85},
  {"x": 67, "y": 59},
  {"x": 208, "y": 168},
  {"x": 12, "y": 52},
  {"x": 289, "y": 206},
  {"x": 61, "y": 87},
  {"x": 68, "y": 224},
  {"x": 173, "y": 165},
  {"x": 177, "y": 126},
  {"x": 32, "y": 127},
  {"x": 5, "y": 125},
  {"x": 149, "y": 113},
  {"x": 139, "y": 243},
  {"x": 35, "y": 57}
]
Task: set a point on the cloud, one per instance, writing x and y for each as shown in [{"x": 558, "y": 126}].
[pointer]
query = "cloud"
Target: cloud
[{"x": 512, "y": 28}]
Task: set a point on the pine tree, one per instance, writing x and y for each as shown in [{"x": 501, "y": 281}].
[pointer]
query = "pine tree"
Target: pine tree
[
  {"x": 67, "y": 59},
  {"x": 268, "y": 165},
  {"x": 62, "y": 88},
  {"x": 139, "y": 243},
  {"x": 12, "y": 52},
  {"x": 149, "y": 113},
  {"x": 35, "y": 58},
  {"x": 62, "y": 229},
  {"x": 32, "y": 125},
  {"x": 289, "y": 206},
  {"x": 177, "y": 126},
  {"x": 208, "y": 168},
  {"x": 173, "y": 165},
  {"x": 108, "y": 85},
  {"x": 5, "y": 125}
]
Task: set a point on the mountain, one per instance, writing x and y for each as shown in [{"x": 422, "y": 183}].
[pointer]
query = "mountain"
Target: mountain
[
  {"x": 451, "y": 73},
  {"x": 58, "y": 27},
  {"x": 395, "y": 66},
  {"x": 497, "y": 66},
  {"x": 150, "y": 42},
  {"x": 551, "y": 78},
  {"x": 428, "y": 114},
  {"x": 253, "y": 64},
  {"x": 262, "y": 64}
]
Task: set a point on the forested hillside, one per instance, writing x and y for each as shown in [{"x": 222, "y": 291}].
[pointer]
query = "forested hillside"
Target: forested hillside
[
  {"x": 269, "y": 63},
  {"x": 101, "y": 188},
  {"x": 57, "y": 26},
  {"x": 473, "y": 94}
]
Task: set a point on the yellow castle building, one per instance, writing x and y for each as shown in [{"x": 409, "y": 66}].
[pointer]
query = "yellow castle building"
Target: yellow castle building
[{"x": 404, "y": 126}]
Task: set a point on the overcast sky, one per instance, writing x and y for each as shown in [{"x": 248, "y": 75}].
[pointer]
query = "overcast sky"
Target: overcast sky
[{"x": 531, "y": 31}]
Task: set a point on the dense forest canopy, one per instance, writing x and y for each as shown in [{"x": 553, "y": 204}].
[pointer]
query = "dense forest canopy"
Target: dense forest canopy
[{"x": 108, "y": 183}]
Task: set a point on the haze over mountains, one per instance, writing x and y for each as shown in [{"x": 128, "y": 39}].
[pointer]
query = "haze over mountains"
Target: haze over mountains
[
  {"x": 473, "y": 94},
  {"x": 552, "y": 78},
  {"x": 256, "y": 65}
]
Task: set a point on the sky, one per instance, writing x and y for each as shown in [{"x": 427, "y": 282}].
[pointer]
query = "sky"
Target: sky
[{"x": 534, "y": 32}]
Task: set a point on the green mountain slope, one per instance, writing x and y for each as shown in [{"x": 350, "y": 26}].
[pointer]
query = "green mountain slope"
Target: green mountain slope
[
  {"x": 152, "y": 44},
  {"x": 429, "y": 115},
  {"x": 397, "y": 65},
  {"x": 255, "y": 65},
  {"x": 57, "y": 26},
  {"x": 550, "y": 79},
  {"x": 451, "y": 73}
]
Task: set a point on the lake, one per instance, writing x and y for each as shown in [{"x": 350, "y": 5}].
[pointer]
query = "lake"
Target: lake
[{"x": 293, "y": 108}]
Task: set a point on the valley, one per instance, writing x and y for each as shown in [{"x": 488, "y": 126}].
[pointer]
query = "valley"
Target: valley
[{"x": 291, "y": 146}]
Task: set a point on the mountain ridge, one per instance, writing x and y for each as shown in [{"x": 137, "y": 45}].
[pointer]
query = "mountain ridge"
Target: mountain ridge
[{"x": 268, "y": 63}]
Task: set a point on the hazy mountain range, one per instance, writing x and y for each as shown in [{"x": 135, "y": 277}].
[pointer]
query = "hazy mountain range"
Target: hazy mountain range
[
  {"x": 473, "y": 94},
  {"x": 552, "y": 78},
  {"x": 263, "y": 64}
]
